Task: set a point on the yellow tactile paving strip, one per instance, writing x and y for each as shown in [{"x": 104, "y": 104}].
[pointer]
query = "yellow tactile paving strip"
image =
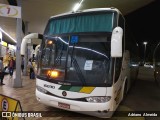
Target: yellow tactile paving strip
[{"x": 26, "y": 96}]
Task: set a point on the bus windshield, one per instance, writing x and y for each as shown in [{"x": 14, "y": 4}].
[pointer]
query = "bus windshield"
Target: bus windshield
[{"x": 80, "y": 59}]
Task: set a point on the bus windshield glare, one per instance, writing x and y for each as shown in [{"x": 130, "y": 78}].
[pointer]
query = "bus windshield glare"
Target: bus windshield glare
[{"x": 78, "y": 59}]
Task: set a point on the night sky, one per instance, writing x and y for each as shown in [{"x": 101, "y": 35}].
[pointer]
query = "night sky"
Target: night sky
[{"x": 144, "y": 24}]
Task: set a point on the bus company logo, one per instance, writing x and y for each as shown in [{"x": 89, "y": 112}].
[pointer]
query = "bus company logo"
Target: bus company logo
[
  {"x": 49, "y": 86},
  {"x": 64, "y": 93}
]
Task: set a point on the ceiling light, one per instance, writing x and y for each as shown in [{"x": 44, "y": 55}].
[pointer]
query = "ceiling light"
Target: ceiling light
[
  {"x": 8, "y": 35},
  {"x": 77, "y": 6},
  {"x": 0, "y": 35}
]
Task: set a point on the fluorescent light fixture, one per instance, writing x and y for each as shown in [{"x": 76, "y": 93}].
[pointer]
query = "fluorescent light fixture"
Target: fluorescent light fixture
[
  {"x": 77, "y": 6},
  {"x": 0, "y": 35},
  {"x": 8, "y": 35}
]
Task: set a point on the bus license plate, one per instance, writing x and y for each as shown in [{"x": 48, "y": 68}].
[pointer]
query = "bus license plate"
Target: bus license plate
[{"x": 63, "y": 105}]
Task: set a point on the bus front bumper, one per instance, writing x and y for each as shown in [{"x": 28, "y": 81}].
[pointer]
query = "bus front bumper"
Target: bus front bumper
[{"x": 102, "y": 110}]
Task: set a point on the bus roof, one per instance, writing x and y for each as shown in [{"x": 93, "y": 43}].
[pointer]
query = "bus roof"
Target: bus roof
[{"x": 88, "y": 10}]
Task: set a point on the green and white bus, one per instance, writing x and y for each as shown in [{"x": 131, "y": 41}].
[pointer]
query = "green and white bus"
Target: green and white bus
[{"x": 83, "y": 65}]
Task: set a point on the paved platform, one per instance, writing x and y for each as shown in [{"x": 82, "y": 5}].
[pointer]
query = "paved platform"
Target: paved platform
[{"x": 137, "y": 99}]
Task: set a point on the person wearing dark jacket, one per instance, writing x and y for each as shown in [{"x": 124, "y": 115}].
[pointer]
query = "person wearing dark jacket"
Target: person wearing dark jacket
[
  {"x": 22, "y": 64},
  {"x": 1, "y": 71},
  {"x": 30, "y": 66}
]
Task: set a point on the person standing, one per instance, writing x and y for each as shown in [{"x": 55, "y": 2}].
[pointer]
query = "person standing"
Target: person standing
[
  {"x": 6, "y": 60},
  {"x": 1, "y": 71},
  {"x": 30, "y": 66},
  {"x": 11, "y": 66},
  {"x": 22, "y": 64}
]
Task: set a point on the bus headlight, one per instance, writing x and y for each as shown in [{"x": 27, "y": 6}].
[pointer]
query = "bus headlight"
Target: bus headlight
[
  {"x": 98, "y": 99},
  {"x": 41, "y": 89},
  {"x": 53, "y": 73}
]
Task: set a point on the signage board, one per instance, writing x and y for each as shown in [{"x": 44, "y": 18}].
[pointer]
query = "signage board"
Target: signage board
[
  {"x": 10, "y": 11},
  {"x": 9, "y": 105}
]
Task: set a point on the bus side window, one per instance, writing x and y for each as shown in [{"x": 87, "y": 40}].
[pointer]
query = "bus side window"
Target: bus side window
[{"x": 118, "y": 68}]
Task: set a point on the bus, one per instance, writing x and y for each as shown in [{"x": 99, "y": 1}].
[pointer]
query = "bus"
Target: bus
[
  {"x": 156, "y": 64},
  {"x": 83, "y": 64}
]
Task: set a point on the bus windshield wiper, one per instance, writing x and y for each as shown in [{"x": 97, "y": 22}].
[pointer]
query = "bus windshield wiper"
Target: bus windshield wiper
[
  {"x": 78, "y": 71},
  {"x": 58, "y": 58},
  {"x": 77, "y": 68}
]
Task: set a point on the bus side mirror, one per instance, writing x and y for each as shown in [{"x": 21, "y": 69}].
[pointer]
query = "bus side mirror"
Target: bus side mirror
[{"x": 116, "y": 42}]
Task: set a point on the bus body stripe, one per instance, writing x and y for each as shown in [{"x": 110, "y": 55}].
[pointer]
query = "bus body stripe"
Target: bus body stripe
[
  {"x": 86, "y": 90},
  {"x": 75, "y": 89},
  {"x": 65, "y": 87}
]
